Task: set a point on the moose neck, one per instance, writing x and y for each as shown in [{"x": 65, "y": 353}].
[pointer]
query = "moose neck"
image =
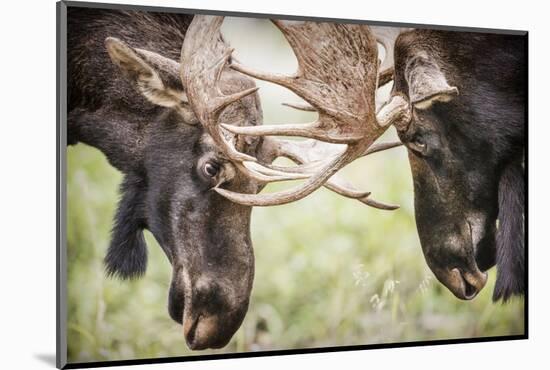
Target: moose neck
[{"x": 118, "y": 134}]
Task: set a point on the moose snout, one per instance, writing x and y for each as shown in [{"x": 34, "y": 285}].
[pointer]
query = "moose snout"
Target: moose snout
[
  {"x": 452, "y": 252},
  {"x": 210, "y": 314},
  {"x": 456, "y": 268},
  {"x": 203, "y": 331}
]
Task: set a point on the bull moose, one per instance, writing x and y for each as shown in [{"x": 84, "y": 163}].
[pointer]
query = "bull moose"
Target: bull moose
[
  {"x": 162, "y": 97},
  {"x": 465, "y": 141}
]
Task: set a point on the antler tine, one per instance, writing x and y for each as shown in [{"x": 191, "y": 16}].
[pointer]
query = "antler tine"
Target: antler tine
[
  {"x": 344, "y": 188},
  {"x": 265, "y": 174},
  {"x": 383, "y": 206},
  {"x": 382, "y": 146},
  {"x": 396, "y": 111},
  {"x": 301, "y": 106}
]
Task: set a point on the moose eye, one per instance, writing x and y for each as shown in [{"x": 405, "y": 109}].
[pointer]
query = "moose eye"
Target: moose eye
[
  {"x": 211, "y": 169},
  {"x": 418, "y": 145}
]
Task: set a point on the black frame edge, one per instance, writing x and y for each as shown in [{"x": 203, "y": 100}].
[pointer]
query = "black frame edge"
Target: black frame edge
[
  {"x": 287, "y": 17},
  {"x": 526, "y": 200},
  {"x": 61, "y": 214},
  {"x": 288, "y": 352}
]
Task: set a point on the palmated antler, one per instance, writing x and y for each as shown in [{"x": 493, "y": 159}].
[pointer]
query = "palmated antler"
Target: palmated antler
[{"x": 337, "y": 76}]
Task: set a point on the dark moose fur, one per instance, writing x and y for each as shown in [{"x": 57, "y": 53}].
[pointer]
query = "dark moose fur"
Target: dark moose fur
[
  {"x": 467, "y": 151},
  {"x": 510, "y": 254},
  {"x": 162, "y": 156},
  {"x": 127, "y": 253}
]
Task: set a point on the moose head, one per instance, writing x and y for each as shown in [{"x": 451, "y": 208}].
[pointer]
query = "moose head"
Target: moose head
[{"x": 465, "y": 145}]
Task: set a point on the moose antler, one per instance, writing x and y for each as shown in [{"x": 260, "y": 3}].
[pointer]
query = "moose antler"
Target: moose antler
[
  {"x": 204, "y": 57},
  {"x": 337, "y": 76}
]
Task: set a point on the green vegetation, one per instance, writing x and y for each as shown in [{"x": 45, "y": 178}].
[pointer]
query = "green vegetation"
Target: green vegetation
[{"x": 329, "y": 272}]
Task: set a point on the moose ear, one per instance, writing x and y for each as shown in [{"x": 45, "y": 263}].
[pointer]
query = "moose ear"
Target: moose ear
[
  {"x": 427, "y": 83},
  {"x": 156, "y": 77},
  {"x": 127, "y": 254}
]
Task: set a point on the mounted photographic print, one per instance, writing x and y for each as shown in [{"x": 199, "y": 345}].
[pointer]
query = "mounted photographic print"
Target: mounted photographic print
[{"x": 240, "y": 184}]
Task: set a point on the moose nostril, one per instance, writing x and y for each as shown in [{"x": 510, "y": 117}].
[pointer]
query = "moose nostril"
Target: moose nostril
[
  {"x": 190, "y": 331},
  {"x": 470, "y": 291},
  {"x": 469, "y": 284}
]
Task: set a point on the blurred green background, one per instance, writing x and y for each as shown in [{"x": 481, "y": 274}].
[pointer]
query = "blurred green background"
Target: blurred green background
[{"x": 329, "y": 270}]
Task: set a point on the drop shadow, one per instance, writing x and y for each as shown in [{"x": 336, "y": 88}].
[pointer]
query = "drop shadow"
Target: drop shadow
[{"x": 47, "y": 358}]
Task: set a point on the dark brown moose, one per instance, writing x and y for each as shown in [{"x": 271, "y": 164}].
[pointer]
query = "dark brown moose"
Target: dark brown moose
[{"x": 467, "y": 96}]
